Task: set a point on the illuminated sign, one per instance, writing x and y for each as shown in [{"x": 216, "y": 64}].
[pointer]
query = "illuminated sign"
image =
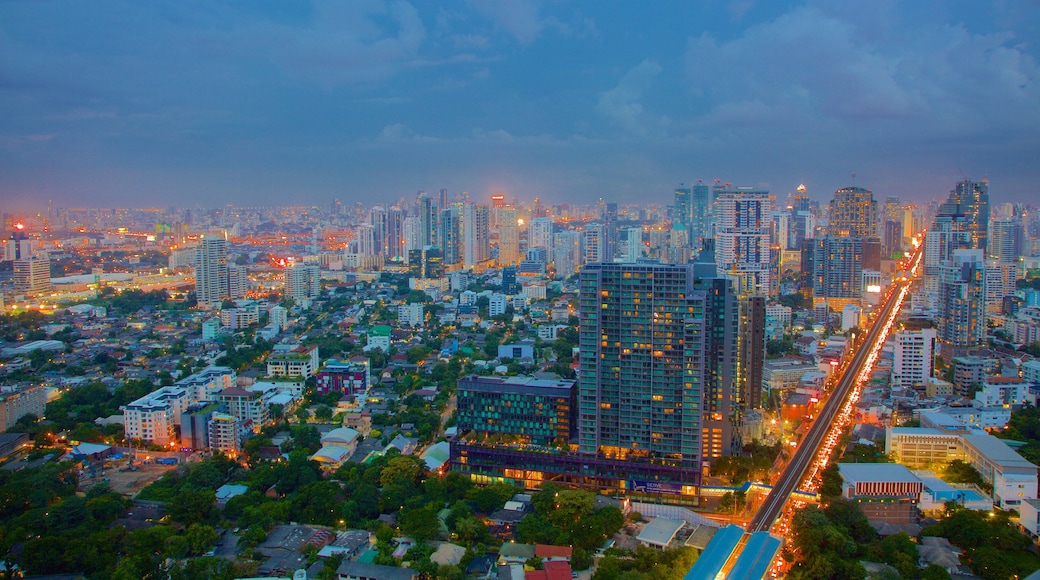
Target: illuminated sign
[{"x": 655, "y": 487}]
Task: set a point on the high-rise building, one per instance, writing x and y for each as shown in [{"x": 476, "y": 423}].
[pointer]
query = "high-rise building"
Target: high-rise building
[
  {"x": 33, "y": 275},
  {"x": 395, "y": 234},
  {"x": 1007, "y": 240},
  {"x": 566, "y": 253},
  {"x": 914, "y": 358},
  {"x": 450, "y": 235},
  {"x": 427, "y": 221},
  {"x": 377, "y": 217},
  {"x": 508, "y": 236},
  {"x": 683, "y": 209},
  {"x": 853, "y": 213},
  {"x": 595, "y": 243},
  {"x": 238, "y": 281},
  {"x": 633, "y": 245},
  {"x": 968, "y": 206},
  {"x": 641, "y": 365},
  {"x": 211, "y": 272},
  {"x": 751, "y": 351},
  {"x": 610, "y": 226},
  {"x": 837, "y": 270},
  {"x": 699, "y": 228},
  {"x": 540, "y": 234},
  {"x": 476, "y": 233},
  {"x": 742, "y": 244},
  {"x": 962, "y": 299},
  {"x": 302, "y": 282}
]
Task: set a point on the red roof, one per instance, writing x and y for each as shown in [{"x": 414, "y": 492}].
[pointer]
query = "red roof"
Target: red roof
[{"x": 546, "y": 551}]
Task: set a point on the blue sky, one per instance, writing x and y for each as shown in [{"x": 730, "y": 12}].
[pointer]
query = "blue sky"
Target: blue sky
[{"x": 253, "y": 102}]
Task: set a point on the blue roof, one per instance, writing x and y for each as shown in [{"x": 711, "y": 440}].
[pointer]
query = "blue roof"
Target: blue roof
[
  {"x": 715, "y": 554},
  {"x": 753, "y": 562}
]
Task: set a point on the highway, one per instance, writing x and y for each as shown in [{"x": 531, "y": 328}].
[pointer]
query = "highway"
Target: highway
[{"x": 809, "y": 448}]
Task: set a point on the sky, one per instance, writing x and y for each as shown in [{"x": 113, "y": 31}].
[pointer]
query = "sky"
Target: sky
[{"x": 254, "y": 102}]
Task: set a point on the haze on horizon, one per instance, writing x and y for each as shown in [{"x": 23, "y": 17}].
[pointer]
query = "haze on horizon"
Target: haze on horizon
[{"x": 263, "y": 103}]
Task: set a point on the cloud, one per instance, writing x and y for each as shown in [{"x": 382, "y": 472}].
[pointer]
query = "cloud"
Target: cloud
[
  {"x": 520, "y": 19},
  {"x": 621, "y": 104},
  {"x": 811, "y": 66}
]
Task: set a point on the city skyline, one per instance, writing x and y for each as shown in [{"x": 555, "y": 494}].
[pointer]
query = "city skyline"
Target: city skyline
[{"x": 140, "y": 105}]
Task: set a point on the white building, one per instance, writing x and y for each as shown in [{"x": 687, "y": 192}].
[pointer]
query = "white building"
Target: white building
[
  {"x": 17, "y": 402},
  {"x": 202, "y": 385},
  {"x": 742, "y": 240},
  {"x": 244, "y": 314},
  {"x": 497, "y": 304},
  {"x": 293, "y": 360},
  {"x": 410, "y": 314},
  {"x": 1031, "y": 371},
  {"x": 280, "y": 316},
  {"x": 154, "y": 417},
  {"x": 850, "y": 317},
  {"x": 914, "y": 357},
  {"x": 224, "y": 433},
  {"x": 302, "y": 282},
  {"x": 1012, "y": 477},
  {"x": 1002, "y": 392}
]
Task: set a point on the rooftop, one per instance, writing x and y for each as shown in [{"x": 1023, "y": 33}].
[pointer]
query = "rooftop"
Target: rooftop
[
  {"x": 880, "y": 472},
  {"x": 996, "y": 451},
  {"x": 660, "y": 531}
]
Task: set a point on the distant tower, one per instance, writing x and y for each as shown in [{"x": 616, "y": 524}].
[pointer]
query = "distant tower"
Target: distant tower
[
  {"x": 508, "y": 236},
  {"x": 211, "y": 272},
  {"x": 742, "y": 245}
]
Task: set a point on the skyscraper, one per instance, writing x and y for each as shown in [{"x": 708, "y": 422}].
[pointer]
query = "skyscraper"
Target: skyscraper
[
  {"x": 913, "y": 362},
  {"x": 1007, "y": 240},
  {"x": 476, "y": 228},
  {"x": 449, "y": 235},
  {"x": 742, "y": 245},
  {"x": 962, "y": 299},
  {"x": 594, "y": 238},
  {"x": 968, "y": 204},
  {"x": 700, "y": 215},
  {"x": 853, "y": 213},
  {"x": 395, "y": 239},
  {"x": 540, "y": 234},
  {"x": 508, "y": 236},
  {"x": 211, "y": 272},
  {"x": 837, "y": 270},
  {"x": 683, "y": 210},
  {"x": 566, "y": 253},
  {"x": 641, "y": 365}
]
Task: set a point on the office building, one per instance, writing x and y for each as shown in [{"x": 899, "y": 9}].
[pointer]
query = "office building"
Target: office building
[
  {"x": 742, "y": 239},
  {"x": 968, "y": 206},
  {"x": 540, "y": 234},
  {"x": 914, "y": 358},
  {"x": 302, "y": 282},
  {"x": 536, "y": 411},
  {"x": 33, "y": 275}
]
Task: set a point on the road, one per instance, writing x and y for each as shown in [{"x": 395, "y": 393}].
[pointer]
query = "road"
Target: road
[{"x": 809, "y": 449}]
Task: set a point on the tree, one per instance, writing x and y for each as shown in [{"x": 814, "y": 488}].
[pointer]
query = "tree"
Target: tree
[
  {"x": 400, "y": 470},
  {"x": 200, "y": 538},
  {"x": 958, "y": 471},
  {"x": 420, "y": 524}
]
